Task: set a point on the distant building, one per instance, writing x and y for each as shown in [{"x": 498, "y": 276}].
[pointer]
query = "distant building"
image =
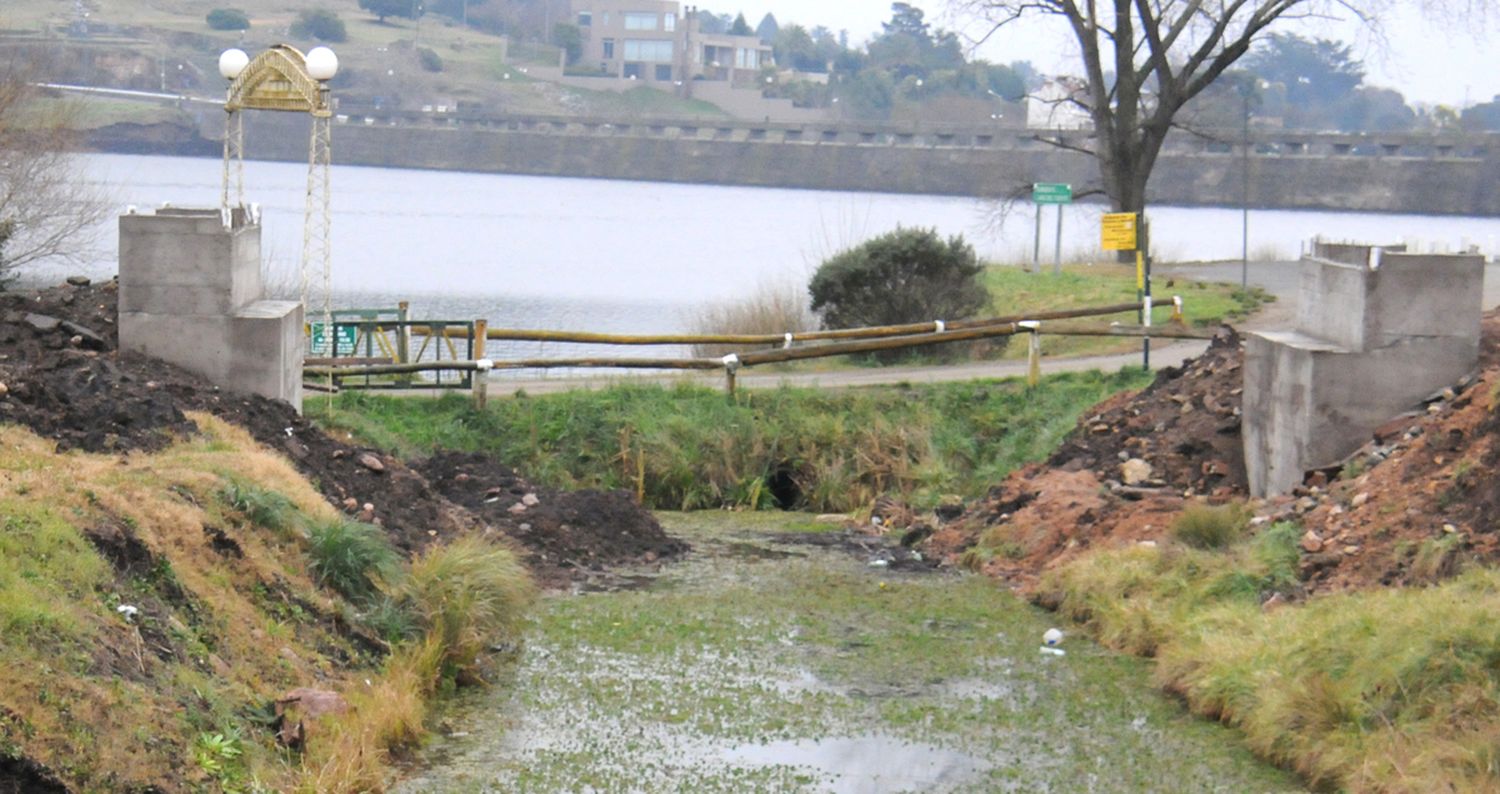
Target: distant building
[
  {"x": 1059, "y": 105},
  {"x": 653, "y": 40}
]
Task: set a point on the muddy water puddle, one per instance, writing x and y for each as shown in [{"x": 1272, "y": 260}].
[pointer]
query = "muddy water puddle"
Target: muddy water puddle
[{"x": 764, "y": 664}]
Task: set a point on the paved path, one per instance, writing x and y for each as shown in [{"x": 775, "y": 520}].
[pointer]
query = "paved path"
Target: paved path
[{"x": 1278, "y": 278}]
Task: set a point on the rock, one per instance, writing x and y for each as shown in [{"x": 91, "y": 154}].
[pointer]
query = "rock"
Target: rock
[
  {"x": 299, "y": 707},
  {"x": 1306, "y": 504},
  {"x": 517, "y": 509},
  {"x": 371, "y": 462},
  {"x": 530, "y": 500},
  {"x": 1311, "y": 542},
  {"x": 1351, "y": 549},
  {"x": 289, "y": 655},
  {"x": 43, "y": 323},
  {"x": 79, "y": 281},
  {"x": 1135, "y": 471},
  {"x": 76, "y": 341},
  {"x": 4, "y": 390},
  {"x": 1359, "y": 500},
  {"x": 1273, "y": 603},
  {"x": 367, "y": 513},
  {"x": 1450, "y": 529},
  {"x": 84, "y": 337},
  {"x": 351, "y": 504},
  {"x": 1313, "y": 563},
  {"x": 915, "y": 535}
]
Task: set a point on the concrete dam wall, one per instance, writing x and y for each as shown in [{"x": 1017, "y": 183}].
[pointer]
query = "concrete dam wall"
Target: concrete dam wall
[{"x": 1407, "y": 173}]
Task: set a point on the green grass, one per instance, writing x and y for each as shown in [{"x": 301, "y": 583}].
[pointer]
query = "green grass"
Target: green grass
[
  {"x": 350, "y": 557},
  {"x": 1386, "y": 690},
  {"x": 698, "y": 449},
  {"x": 1014, "y": 291},
  {"x": 1204, "y": 526},
  {"x": 655, "y": 689}
]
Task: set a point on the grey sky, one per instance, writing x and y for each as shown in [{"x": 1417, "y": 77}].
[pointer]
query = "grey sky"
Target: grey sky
[{"x": 1428, "y": 63}]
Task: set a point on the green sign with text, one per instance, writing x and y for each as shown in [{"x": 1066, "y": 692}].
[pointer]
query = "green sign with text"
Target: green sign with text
[{"x": 1051, "y": 193}]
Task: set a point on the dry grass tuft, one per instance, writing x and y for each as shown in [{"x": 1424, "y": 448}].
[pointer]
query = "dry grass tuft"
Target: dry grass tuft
[{"x": 774, "y": 308}]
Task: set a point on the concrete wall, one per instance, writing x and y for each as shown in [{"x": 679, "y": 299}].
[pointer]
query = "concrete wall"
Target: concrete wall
[
  {"x": 1372, "y": 340},
  {"x": 873, "y": 157},
  {"x": 190, "y": 294}
]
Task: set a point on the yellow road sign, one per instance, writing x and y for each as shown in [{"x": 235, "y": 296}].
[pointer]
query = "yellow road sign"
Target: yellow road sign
[{"x": 1117, "y": 231}]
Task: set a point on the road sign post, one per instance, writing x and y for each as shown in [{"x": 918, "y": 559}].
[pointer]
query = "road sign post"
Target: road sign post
[
  {"x": 1042, "y": 193},
  {"x": 1118, "y": 231}
]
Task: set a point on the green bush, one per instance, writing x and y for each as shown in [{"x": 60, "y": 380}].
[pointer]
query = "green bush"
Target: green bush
[
  {"x": 350, "y": 557},
  {"x": 469, "y": 594},
  {"x": 389, "y": 8},
  {"x": 429, "y": 59},
  {"x": 321, "y": 25},
  {"x": 1211, "y": 526},
  {"x": 905, "y": 276},
  {"x": 228, "y": 19}
]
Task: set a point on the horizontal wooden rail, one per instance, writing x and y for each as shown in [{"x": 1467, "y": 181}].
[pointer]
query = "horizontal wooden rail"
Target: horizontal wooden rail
[
  {"x": 877, "y": 332},
  {"x": 771, "y": 356}
]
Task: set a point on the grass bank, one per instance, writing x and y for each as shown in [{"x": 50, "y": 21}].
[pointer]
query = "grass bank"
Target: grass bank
[
  {"x": 154, "y": 607},
  {"x": 1015, "y": 291},
  {"x": 765, "y": 661},
  {"x": 1389, "y": 690},
  {"x": 691, "y": 448}
]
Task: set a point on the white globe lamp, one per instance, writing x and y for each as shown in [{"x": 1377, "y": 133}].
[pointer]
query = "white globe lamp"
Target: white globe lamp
[
  {"x": 322, "y": 64},
  {"x": 232, "y": 63},
  {"x": 1052, "y": 637}
]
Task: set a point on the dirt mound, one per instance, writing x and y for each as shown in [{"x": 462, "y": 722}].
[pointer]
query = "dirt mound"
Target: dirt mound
[
  {"x": 1416, "y": 504},
  {"x": 558, "y": 529},
  {"x": 1185, "y": 425},
  {"x": 64, "y": 380}
]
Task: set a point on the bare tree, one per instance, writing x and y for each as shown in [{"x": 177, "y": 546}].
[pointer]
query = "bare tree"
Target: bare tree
[
  {"x": 1143, "y": 60},
  {"x": 47, "y": 209}
]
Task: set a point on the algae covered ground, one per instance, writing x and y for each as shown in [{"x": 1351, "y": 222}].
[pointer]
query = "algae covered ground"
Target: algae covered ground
[{"x": 776, "y": 658}]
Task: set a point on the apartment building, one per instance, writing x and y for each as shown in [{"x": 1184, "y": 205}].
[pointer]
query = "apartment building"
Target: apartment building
[{"x": 655, "y": 41}]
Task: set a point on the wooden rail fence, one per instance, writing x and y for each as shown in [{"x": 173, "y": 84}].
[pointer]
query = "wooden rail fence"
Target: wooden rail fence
[{"x": 824, "y": 344}]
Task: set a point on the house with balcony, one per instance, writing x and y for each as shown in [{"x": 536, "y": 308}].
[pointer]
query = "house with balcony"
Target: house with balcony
[{"x": 657, "y": 42}]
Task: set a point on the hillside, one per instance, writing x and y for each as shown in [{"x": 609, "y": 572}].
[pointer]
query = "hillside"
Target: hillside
[{"x": 190, "y": 578}]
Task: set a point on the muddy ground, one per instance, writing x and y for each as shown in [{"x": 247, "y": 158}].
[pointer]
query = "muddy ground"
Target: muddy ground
[{"x": 64, "y": 378}]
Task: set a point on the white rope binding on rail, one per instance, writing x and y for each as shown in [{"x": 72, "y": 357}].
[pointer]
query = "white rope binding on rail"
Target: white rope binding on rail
[
  {"x": 484, "y": 364},
  {"x": 939, "y": 326},
  {"x": 731, "y": 363},
  {"x": 1030, "y": 325},
  {"x": 1147, "y": 314},
  {"x": 787, "y": 342}
]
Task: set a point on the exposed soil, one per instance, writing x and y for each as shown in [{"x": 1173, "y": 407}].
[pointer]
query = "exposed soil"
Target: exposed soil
[
  {"x": 64, "y": 379},
  {"x": 1412, "y": 507},
  {"x": 559, "y": 530}
]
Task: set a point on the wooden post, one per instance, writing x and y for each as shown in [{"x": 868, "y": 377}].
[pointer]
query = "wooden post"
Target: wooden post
[
  {"x": 729, "y": 382},
  {"x": 481, "y": 375},
  {"x": 403, "y": 332},
  {"x": 1034, "y": 359}
]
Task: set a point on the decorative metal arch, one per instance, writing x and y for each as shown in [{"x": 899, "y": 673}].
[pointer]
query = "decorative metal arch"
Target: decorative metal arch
[{"x": 277, "y": 79}]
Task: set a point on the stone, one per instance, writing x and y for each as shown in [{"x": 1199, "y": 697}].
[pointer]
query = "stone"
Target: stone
[
  {"x": 1273, "y": 603},
  {"x": 517, "y": 509},
  {"x": 79, "y": 281},
  {"x": 1311, "y": 542},
  {"x": 1306, "y": 504},
  {"x": 1351, "y": 549},
  {"x": 1450, "y": 529},
  {"x": 371, "y": 462},
  {"x": 1359, "y": 500},
  {"x": 1135, "y": 471},
  {"x": 43, "y": 323},
  {"x": 351, "y": 504},
  {"x": 296, "y": 709},
  {"x": 4, "y": 390},
  {"x": 530, "y": 500}
]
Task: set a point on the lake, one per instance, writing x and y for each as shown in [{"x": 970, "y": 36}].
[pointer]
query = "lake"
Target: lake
[{"x": 585, "y": 254}]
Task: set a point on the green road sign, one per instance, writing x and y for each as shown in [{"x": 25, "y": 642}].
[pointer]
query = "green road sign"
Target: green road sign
[
  {"x": 1051, "y": 193},
  {"x": 347, "y": 336}
]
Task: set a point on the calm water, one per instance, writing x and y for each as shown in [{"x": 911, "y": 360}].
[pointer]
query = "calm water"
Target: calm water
[{"x": 584, "y": 254}]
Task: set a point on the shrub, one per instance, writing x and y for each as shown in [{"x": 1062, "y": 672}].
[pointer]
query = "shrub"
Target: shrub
[
  {"x": 771, "y": 309},
  {"x": 350, "y": 557},
  {"x": 321, "y": 25},
  {"x": 470, "y": 594},
  {"x": 1211, "y": 526},
  {"x": 228, "y": 19},
  {"x": 388, "y": 8},
  {"x": 905, "y": 276},
  {"x": 429, "y": 59}
]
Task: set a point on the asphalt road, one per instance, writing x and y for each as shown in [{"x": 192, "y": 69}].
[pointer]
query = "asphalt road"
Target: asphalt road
[{"x": 1278, "y": 278}]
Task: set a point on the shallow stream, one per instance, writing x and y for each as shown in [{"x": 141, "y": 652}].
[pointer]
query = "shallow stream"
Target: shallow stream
[{"x": 763, "y": 663}]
